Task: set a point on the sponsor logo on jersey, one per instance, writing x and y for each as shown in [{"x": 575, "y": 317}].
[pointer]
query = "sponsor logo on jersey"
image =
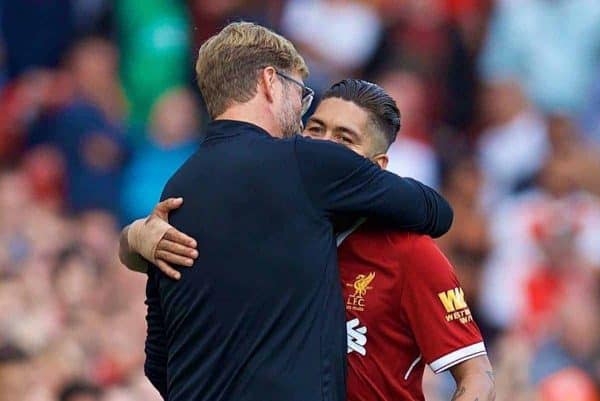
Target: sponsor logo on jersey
[
  {"x": 455, "y": 305},
  {"x": 356, "y": 301},
  {"x": 357, "y": 337}
]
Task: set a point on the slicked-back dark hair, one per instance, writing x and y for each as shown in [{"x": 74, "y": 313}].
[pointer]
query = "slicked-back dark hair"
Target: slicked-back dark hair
[{"x": 382, "y": 109}]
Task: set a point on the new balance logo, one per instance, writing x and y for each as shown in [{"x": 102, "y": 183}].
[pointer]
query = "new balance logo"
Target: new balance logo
[{"x": 357, "y": 338}]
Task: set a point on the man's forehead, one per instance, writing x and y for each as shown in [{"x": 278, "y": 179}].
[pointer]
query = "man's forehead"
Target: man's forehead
[{"x": 341, "y": 113}]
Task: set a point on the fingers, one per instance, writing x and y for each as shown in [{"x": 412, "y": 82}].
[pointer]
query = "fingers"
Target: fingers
[
  {"x": 168, "y": 270},
  {"x": 163, "y": 208},
  {"x": 173, "y": 258},
  {"x": 177, "y": 249},
  {"x": 180, "y": 238}
]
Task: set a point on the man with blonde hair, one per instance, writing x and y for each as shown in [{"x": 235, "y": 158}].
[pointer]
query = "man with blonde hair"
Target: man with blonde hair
[{"x": 262, "y": 317}]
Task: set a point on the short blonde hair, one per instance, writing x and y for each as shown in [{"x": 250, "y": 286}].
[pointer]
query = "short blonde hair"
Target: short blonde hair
[{"x": 229, "y": 63}]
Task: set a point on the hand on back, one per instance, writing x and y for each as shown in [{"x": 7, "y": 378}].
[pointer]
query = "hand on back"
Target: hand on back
[{"x": 160, "y": 243}]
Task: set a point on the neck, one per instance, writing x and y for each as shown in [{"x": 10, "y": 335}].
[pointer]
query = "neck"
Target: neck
[{"x": 254, "y": 115}]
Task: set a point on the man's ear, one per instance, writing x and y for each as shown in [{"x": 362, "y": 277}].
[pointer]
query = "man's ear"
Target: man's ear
[
  {"x": 267, "y": 82},
  {"x": 381, "y": 160}
]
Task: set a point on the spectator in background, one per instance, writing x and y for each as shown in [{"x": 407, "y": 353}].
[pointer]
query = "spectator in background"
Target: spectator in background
[
  {"x": 173, "y": 138},
  {"x": 337, "y": 37},
  {"x": 411, "y": 154},
  {"x": 152, "y": 33},
  {"x": 549, "y": 47},
  {"x": 75, "y": 277},
  {"x": 577, "y": 152},
  {"x": 468, "y": 242},
  {"x": 65, "y": 306},
  {"x": 440, "y": 39},
  {"x": 515, "y": 226},
  {"x": 564, "y": 365},
  {"x": 28, "y": 103},
  {"x": 93, "y": 65},
  {"x": 560, "y": 269},
  {"x": 89, "y": 130},
  {"x": 513, "y": 147},
  {"x": 79, "y": 111}
]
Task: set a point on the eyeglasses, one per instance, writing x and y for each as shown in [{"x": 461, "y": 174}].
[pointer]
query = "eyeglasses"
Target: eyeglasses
[{"x": 307, "y": 94}]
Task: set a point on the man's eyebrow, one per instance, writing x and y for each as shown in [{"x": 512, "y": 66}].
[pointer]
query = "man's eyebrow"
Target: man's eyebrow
[
  {"x": 352, "y": 132},
  {"x": 355, "y": 135},
  {"x": 316, "y": 120}
]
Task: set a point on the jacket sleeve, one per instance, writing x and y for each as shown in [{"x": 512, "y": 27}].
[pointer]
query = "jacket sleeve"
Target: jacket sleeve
[
  {"x": 155, "y": 366},
  {"x": 339, "y": 181}
]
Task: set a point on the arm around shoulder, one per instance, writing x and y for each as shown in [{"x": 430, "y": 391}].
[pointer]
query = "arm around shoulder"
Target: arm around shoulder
[
  {"x": 128, "y": 257},
  {"x": 338, "y": 180}
]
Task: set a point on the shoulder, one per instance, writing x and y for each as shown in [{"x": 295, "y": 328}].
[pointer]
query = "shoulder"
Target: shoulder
[
  {"x": 414, "y": 251},
  {"x": 407, "y": 244},
  {"x": 419, "y": 254}
]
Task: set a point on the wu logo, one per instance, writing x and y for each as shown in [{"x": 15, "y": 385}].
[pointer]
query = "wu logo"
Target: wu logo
[
  {"x": 357, "y": 338},
  {"x": 453, "y": 300}
]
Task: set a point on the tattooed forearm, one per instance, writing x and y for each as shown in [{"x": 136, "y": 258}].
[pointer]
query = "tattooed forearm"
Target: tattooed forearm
[
  {"x": 459, "y": 391},
  {"x": 484, "y": 390},
  {"x": 475, "y": 380}
]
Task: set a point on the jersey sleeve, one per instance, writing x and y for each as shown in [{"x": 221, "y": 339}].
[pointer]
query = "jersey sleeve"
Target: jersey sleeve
[
  {"x": 434, "y": 304},
  {"x": 339, "y": 181}
]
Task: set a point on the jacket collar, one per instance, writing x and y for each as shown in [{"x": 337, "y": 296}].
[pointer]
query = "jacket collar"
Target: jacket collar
[{"x": 233, "y": 127}]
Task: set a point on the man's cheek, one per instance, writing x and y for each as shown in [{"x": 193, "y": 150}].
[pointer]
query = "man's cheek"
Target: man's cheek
[{"x": 356, "y": 148}]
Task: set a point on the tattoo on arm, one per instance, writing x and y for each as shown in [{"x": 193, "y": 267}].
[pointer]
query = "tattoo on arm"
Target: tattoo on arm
[
  {"x": 482, "y": 389},
  {"x": 462, "y": 390},
  {"x": 459, "y": 391},
  {"x": 492, "y": 394}
]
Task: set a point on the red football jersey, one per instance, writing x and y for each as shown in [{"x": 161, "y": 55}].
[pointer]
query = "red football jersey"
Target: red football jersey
[{"x": 405, "y": 308}]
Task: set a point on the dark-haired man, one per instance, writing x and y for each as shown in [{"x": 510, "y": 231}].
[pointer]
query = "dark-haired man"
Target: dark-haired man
[{"x": 404, "y": 305}]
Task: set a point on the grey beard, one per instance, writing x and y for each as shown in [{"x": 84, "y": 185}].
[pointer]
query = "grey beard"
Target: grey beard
[{"x": 290, "y": 129}]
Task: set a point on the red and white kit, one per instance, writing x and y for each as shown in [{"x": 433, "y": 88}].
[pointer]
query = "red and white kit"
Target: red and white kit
[{"x": 405, "y": 308}]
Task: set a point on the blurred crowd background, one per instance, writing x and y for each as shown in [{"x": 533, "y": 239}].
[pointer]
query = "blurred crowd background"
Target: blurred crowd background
[{"x": 501, "y": 112}]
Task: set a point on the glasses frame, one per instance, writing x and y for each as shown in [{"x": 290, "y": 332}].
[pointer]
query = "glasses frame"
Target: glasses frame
[{"x": 307, "y": 93}]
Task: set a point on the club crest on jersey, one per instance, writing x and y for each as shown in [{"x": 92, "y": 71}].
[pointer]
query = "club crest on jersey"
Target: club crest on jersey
[{"x": 356, "y": 301}]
